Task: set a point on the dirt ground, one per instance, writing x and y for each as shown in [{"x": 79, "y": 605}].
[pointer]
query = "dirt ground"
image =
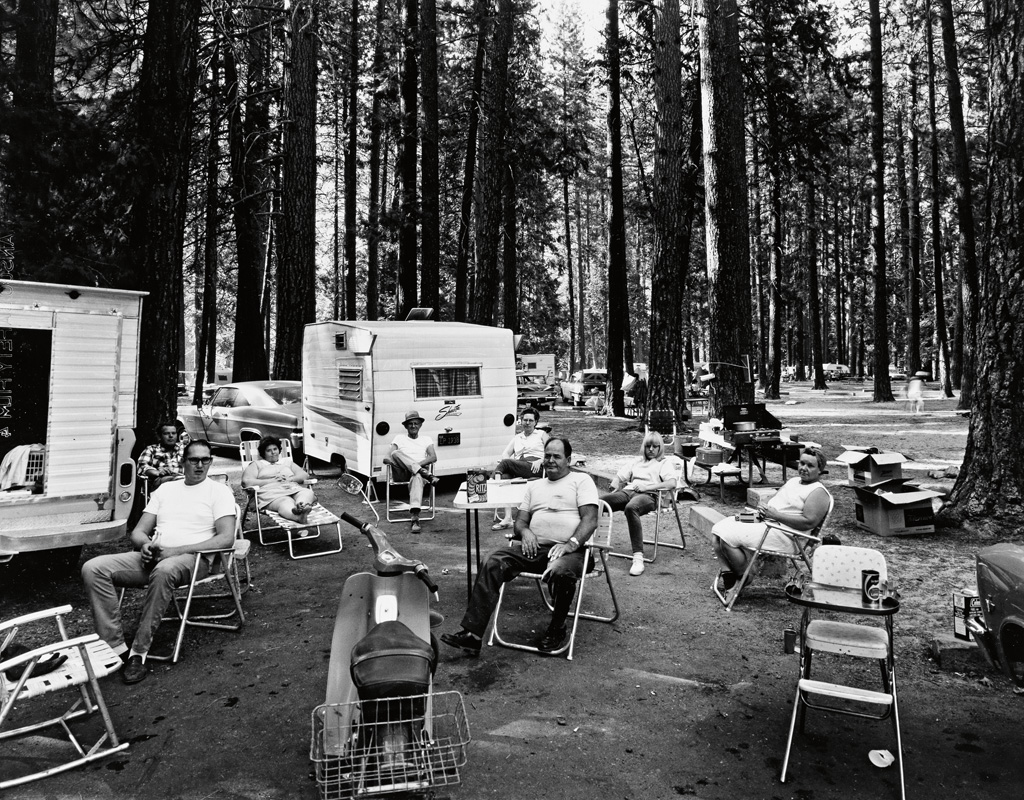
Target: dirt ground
[{"x": 676, "y": 698}]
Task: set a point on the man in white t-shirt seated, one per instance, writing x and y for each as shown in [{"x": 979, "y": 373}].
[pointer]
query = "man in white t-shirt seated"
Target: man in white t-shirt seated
[
  {"x": 556, "y": 518},
  {"x": 522, "y": 457},
  {"x": 181, "y": 520},
  {"x": 409, "y": 458}
]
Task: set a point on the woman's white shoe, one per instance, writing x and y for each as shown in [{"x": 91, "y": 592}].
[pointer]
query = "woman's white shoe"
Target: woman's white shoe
[{"x": 638, "y": 565}]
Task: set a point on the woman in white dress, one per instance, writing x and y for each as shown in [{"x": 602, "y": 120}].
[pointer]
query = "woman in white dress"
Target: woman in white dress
[{"x": 280, "y": 483}]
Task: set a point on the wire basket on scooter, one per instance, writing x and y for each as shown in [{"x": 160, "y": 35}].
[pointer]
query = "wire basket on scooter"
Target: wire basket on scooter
[{"x": 378, "y": 747}]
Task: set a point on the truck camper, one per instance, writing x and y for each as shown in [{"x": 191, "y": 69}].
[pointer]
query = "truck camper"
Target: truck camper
[
  {"x": 360, "y": 378},
  {"x": 69, "y": 359}
]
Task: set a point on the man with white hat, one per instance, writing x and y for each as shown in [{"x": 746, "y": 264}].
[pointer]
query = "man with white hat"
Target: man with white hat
[{"x": 409, "y": 458}]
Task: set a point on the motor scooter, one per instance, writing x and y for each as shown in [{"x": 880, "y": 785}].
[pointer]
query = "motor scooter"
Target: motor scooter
[{"x": 382, "y": 729}]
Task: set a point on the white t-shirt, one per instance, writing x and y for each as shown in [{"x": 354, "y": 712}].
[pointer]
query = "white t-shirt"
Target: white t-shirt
[
  {"x": 651, "y": 471},
  {"x": 554, "y": 506},
  {"x": 526, "y": 448},
  {"x": 416, "y": 448},
  {"x": 185, "y": 515}
]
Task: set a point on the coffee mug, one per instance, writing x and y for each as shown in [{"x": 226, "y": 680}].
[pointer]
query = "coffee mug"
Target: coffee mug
[{"x": 870, "y": 589}]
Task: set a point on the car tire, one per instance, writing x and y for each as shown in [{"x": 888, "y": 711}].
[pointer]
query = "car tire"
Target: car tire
[{"x": 1010, "y": 649}]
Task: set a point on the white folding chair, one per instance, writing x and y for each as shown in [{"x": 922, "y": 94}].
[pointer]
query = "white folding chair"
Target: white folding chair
[
  {"x": 667, "y": 498},
  {"x": 600, "y": 543},
  {"x": 804, "y": 543},
  {"x": 663, "y": 422},
  {"x": 393, "y": 512},
  {"x": 87, "y": 658},
  {"x": 840, "y": 566},
  {"x": 223, "y": 572},
  {"x": 318, "y": 517}
]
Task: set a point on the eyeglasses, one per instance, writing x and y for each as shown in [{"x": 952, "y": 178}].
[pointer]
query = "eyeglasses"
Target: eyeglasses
[{"x": 195, "y": 461}]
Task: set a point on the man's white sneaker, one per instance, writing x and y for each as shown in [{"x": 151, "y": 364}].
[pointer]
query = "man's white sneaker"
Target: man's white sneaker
[{"x": 638, "y": 565}]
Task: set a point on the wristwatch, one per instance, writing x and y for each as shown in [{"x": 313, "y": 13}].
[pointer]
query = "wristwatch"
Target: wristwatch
[{"x": 575, "y": 541}]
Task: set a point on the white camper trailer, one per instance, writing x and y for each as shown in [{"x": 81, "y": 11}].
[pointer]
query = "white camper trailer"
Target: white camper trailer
[
  {"x": 360, "y": 378},
  {"x": 69, "y": 360}
]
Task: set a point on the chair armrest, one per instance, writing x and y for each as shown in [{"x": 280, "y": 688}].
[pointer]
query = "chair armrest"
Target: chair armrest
[
  {"x": 229, "y": 549},
  {"x": 46, "y": 649},
  {"x": 35, "y": 616},
  {"x": 792, "y": 531},
  {"x": 598, "y": 546}
]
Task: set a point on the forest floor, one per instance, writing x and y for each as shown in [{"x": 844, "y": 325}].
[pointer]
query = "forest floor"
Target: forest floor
[{"x": 676, "y": 698}]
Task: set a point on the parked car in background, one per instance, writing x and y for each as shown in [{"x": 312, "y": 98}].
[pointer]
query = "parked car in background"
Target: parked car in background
[
  {"x": 582, "y": 383},
  {"x": 247, "y": 410},
  {"x": 535, "y": 389}
]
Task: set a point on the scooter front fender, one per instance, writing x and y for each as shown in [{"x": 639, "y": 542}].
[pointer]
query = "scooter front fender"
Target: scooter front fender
[{"x": 355, "y": 617}]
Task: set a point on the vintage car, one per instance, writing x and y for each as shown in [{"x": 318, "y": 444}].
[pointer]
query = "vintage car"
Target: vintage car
[
  {"x": 247, "y": 410},
  {"x": 582, "y": 383},
  {"x": 1000, "y": 629},
  {"x": 534, "y": 389}
]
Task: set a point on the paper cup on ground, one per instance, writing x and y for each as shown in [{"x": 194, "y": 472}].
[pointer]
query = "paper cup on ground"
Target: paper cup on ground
[{"x": 881, "y": 758}]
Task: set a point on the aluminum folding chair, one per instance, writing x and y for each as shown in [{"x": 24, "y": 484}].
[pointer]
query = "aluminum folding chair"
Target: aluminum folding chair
[
  {"x": 86, "y": 659},
  {"x": 393, "y": 512},
  {"x": 804, "y": 544},
  {"x": 667, "y": 499},
  {"x": 595, "y": 560}
]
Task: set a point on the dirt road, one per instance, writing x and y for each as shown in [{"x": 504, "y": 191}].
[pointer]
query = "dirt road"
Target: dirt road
[{"x": 677, "y": 698}]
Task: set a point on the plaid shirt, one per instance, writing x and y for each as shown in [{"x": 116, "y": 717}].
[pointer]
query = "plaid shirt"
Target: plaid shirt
[{"x": 156, "y": 456}]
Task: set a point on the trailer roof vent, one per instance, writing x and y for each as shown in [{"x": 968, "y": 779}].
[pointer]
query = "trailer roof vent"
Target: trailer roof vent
[
  {"x": 419, "y": 314},
  {"x": 341, "y": 341}
]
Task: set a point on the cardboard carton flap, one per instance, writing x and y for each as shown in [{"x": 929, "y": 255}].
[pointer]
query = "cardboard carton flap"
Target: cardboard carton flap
[
  {"x": 908, "y": 498},
  {"x": 857, "y": 456}
]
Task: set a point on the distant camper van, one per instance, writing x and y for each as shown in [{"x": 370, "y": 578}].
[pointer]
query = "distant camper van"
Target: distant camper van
[{"x": 360, "y": 378}]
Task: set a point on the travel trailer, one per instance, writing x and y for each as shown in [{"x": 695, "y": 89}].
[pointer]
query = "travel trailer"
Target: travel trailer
[
  {"x": 360, "y": 378},
  {"x": 69, "y": 359}
]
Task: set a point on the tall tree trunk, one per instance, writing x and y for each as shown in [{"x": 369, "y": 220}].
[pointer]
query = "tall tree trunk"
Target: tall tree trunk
[
  {"x": 813, "y": 297},
  {"x": 406, "y": 167},
  {"x": 991, "y": 482},
  {"x": 509, "y": 238},
  {"x": 903, "y": 200},
  {"x": 582, "y": 269},
  {"x": 757, "y": 282},
  {"x": 351, "y": 161},
  {"x": 667, "y": 372},
  {"x": 618, "y": 304},
  {"x": 377, "y": 190},
  {"x": 567, "y": 233},
  {"x": 250, "y": 191},
  {"x": 296, "y": 243},
  {"x": 163, "y": 118},
  {"x": 337, "y": 290},
  {"x": 726, "y": 200},
  {"x": 914, "y": 189},
  {"x": 206, "y": 346},
  {"x": 964, "y": 209},
  {"x": 430, "y": 290},
  {"x": 29, "y": 133},
  {"x": 469, "y": 173},
  {"x": 882, "y": 387},
  {"x": 941, "y": 334},
  {"x": 484, "y": 308}
]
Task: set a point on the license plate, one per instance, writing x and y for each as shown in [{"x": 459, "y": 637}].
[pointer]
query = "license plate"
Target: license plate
[{"x": 448, "y": 439}]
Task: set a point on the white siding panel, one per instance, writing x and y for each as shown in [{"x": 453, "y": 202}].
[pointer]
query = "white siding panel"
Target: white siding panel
[{"x": 84, "y": 382}]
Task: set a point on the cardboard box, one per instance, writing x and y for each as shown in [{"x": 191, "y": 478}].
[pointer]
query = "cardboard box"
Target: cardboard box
[
  {"x": 867, "y": 466},
  {"x": 895, "y": 508},
  {"x": 966, "y": 606}
]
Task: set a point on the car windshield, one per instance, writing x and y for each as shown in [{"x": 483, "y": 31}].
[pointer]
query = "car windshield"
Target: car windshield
[{"x": 284, "y": 394}]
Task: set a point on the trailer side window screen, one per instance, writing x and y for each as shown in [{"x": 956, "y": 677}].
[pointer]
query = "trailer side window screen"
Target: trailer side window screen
[
  {"x": 447, "y": 382},
  {"x": 350, "y": 383}
]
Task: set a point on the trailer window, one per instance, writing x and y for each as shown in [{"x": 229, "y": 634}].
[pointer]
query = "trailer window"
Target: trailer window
[
  {"x": 447, "y": 382},
  {"x": 350, "y": 383},
  {"x": 24, "y": 407}
]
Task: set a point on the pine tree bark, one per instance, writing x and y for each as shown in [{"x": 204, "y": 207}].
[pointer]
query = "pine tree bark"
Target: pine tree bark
[
  {"x": 163, "y": 120},
  {"x": 484, "y": 306},
  {"x": 430, "y": 254},
  {"x": 882, "y": 391},
  {"x": 407, "y": 167},
  {"x": 673, "y": 213},
  {"x": 376, "y": 190},
  {"x": 914, "y": 191},
  {"x": 249, "y": 188},
  {"x": 991, "y": 481},
  {"x": 813, "y": 296},
  {"x": 726, "y": 201},
  {"x": 618, "y": 305},
  {"x": 351, "y": 161},
  {"x": 296, "y": 251}
]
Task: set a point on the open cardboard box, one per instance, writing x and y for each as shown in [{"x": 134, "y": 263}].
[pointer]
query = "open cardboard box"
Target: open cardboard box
[
  {"x": 868, "y": 465},
  {"x": 896, "y": 508}
]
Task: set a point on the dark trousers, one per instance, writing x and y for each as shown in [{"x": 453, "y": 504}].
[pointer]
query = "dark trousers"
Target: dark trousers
[
  {"x": 634, "y": 505},
  {"x": 503, "y": 565}
]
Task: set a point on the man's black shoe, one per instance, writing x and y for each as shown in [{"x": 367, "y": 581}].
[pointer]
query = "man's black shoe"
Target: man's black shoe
[
  {"x": 463, "y": 640},
  {"x": 552, "y": 639},
  {"x": 134, "y": 670}
]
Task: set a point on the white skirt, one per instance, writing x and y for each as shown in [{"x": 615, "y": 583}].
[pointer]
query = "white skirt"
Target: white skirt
[{"x": 748, "y": 535}]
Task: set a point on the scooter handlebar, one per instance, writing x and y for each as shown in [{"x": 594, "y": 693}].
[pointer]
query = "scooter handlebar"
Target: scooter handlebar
[
  {"x": 422, "y": 573},
  {"x": 353, "y": 521}
]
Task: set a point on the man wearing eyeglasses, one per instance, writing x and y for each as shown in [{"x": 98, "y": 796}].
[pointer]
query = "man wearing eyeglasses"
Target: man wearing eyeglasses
[{"x": 181, "y": 520}]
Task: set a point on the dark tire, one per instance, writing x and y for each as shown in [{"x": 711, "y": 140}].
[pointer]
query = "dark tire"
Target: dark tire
[
  {"x": 1010, "y": 648},
  {"x": 64, "y": 561}
]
